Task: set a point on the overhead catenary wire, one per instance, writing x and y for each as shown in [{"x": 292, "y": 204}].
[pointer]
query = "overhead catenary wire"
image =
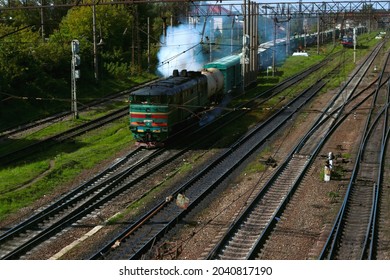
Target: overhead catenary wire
[
  {"x": 179, "y": 106},
  {"x": 16, "y": 31},
  {"x": 177, "y": 55}
]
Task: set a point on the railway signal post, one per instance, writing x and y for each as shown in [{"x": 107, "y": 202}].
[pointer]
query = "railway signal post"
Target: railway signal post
[{"x": 75, "y": 74}]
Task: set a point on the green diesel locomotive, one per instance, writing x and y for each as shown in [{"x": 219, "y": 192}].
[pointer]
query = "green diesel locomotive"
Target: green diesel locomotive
[{"x": 158, "y": 110}]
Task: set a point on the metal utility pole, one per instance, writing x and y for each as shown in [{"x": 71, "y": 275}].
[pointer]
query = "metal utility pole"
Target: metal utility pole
[
  {"x": 354, "y": 45},
  {"x": 95, "y": 59},
  {"x": 244, "y": 48},
  {"x": 318, "y": 32},
  {"x": 276, "y": 22},
  {"x": 135, "y": 42},
  {"x": 274, "y": 48},
  {"x": 148, "y": 44},
  {"x": 42, "y": 22},
  {"x": 211, "y": 39},
  {"x": 288, "y": 39},
  {"x": 249, "y": 62},
  {"x": 254, "y": 42},
  {"x": 75, "y": 74}
]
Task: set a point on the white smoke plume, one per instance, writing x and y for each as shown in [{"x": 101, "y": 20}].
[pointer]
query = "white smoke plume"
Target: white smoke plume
[{"x": 182, "y": 50}]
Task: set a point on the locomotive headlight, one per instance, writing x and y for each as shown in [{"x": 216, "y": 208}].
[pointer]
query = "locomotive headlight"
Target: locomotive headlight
[{"x": 148, "y": 122}]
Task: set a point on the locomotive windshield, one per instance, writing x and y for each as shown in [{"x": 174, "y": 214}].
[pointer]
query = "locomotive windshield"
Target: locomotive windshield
[{"x": 148, "y": 99}]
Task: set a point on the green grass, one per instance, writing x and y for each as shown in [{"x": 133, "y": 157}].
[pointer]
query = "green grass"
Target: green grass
[
  {"x": 9, "y": 145},
  {"x": 254, "y": 167},
  {"x": 11, "y": 179},
  {"x": 68, "y": 160},
  {"x": 346, "y": 155}
]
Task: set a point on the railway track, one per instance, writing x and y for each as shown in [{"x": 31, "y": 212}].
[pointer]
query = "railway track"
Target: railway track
[
  {"x": 140, "y": 237},
  {"x": 262, "y": 212},
  {"x": 126, "y": 173},
  {"x": 123, "y": 177},
  {"x": 83, "y": 201},
  {"x": 30, "y": 232},
  {"x": 247, "y": 235},
  {"x": 354, "y": 234}
]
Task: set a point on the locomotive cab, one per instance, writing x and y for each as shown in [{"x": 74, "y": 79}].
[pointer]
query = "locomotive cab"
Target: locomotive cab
[
  {"x": 166, "y": 105},
  {"x": 148, "y": 118}
]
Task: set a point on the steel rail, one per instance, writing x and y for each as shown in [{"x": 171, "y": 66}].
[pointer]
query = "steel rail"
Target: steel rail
[
  {"x": 329, "y": 248},
  {"x": 72, "y": 199},
  {"x": 272, "y": 220},
  {"x": 270, "y": 126},
  {"x": 331, "y": 243},
  {"x": 369, "y": 245},
  {"x": 278, "y": 212},
  {"x": 68, "y": 199},
  {"x": 113, "y": 242},
  {"x": 376, "y": 213}
]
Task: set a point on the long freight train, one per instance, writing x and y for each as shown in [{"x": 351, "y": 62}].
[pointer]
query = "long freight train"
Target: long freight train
[{"x": 161, "y": 107}]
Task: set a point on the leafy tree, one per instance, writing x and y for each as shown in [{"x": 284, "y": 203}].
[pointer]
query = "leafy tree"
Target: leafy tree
[
  {"x": 18, "y": 63},
  {"x": 44, "y": 65}
]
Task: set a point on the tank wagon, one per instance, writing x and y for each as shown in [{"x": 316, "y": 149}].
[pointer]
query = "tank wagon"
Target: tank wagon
[
  {"x": 167, "y": 105},
  {"x": 230, "y": 68}
]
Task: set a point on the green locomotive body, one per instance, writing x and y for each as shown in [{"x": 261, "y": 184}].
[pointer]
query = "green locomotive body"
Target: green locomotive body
[{"x": 159, "y": 109}]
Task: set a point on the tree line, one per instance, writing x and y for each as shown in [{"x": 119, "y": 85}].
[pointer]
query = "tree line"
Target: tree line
[{"x": 35, "y": 43}]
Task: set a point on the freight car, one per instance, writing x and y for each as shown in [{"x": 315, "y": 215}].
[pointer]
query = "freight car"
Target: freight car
[
  {"x": 297, "y": 43},
  {"x": 165, "y": 106}
]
